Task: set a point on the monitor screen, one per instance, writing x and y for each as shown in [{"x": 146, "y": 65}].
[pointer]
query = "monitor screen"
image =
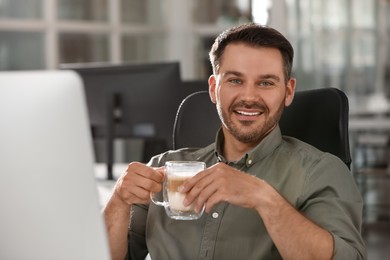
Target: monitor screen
[{"x": 141, "y": 99}]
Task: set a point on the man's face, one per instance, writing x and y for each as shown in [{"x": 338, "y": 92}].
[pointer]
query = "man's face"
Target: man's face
[{"x": 250, "y": 91}]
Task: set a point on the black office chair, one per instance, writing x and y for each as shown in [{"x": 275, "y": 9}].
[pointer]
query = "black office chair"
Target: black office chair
[{"x": 318, "y": 117}]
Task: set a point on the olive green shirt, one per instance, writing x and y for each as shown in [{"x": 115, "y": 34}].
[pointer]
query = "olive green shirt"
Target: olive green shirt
[{"x": 318, "y": 184}]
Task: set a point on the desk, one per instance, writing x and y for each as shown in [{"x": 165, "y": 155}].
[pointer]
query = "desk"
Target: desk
[
  {"x": 371, "y": 124},
  {"x": 371, "y": 134}
]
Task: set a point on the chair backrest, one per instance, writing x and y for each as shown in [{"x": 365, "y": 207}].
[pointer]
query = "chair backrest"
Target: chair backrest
[
  {"x": 318, "y": 117},
  {"x": 196, "y": 121}
]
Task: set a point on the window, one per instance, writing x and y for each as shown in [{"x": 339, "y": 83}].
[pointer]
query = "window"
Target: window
[
  {"x": 82, "y": 48},
  {"x": 21, "y": 50},
  {"x": 42, "y": 34},
  {"x": 21, "y": 9},
  {"x": 341, "y": 44}
]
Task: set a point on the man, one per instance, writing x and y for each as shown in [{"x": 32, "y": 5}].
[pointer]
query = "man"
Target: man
[{"x": 266, "y": 196}]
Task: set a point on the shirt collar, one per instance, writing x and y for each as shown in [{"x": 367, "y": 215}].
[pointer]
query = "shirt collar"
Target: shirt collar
[{"x": 264, "y": 148}]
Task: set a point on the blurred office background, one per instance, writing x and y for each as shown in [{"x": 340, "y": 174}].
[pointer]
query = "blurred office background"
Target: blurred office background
[
  {"x": 343, "y": 44},
  {"x": 338, "y": 43}
]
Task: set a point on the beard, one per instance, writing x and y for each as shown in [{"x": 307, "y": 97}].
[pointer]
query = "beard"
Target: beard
[{"x": 247, "y": 131}]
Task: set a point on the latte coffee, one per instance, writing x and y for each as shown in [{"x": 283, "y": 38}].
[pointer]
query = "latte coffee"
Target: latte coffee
[
  {"x": 176, "y": 173},
  {"x": 176, "y": 198}
]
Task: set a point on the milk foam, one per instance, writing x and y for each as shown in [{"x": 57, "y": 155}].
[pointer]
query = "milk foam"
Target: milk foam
[{"x": 176, "y": 201}]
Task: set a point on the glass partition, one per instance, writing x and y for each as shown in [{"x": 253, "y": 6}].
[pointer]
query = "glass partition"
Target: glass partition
[
  {"x": 82, "y": 47},
  {"x": 338, "y": 44},
  {"x": 149, "y": 12},
  {"x": 22, "y": 51},
  {"x": 222, "y": 12},
  {"x": 83, "y": 10},
  {"x": 144, "y": 48},
  {"x": 21, "y": 9}
]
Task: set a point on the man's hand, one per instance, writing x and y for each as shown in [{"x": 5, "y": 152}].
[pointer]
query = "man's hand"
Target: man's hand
[
  {"x": 137, "y": 182},
  {"x": 222, "y": 183},
  {"x": 289, "y": 229},
  {"x": 134, "y": 186}
]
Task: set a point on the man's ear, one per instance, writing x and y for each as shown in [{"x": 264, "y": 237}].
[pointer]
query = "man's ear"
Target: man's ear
[
  {"x": 212, "y": 88},
  {"x": 290, "y": 90}
]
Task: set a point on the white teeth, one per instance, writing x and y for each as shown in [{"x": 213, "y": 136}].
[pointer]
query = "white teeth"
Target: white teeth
[{"x": 248, "y": 113}]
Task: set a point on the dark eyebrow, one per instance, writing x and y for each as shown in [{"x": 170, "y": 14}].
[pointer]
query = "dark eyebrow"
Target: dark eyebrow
[
  {"x": 232, "y": 73},
  {"x": 262, "y": 77},
  {"x": 270, "y": 76}
]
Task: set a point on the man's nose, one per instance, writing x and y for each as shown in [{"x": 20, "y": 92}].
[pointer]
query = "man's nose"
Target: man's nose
[{"x": 249, "y": 92}]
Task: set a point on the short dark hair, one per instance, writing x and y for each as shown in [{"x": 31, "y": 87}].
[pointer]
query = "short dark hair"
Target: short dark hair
[{"x": 254, "y": 35}]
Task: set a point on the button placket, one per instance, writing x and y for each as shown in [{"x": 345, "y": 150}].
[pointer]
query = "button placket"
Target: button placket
[{"x": 210, "y": 232}]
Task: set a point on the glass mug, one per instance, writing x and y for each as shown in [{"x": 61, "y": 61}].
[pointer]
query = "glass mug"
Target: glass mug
[{"x": 176, "y": 172}]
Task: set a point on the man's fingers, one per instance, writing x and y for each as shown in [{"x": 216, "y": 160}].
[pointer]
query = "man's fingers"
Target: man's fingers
[
  {"x": 138, "y": 181},
  {"x": 155, "y": 174},
  {"x": 189, "y": 183},
  {"x": 201, "y": 190}
]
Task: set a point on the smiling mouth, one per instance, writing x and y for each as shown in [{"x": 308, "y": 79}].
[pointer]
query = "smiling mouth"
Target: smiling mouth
[{"x": 245, "y": 113}]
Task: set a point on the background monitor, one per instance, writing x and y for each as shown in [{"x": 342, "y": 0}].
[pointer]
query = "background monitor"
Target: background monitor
[
  {"x": 144, "y": 97},
  {"x": 132, "y": 101}
]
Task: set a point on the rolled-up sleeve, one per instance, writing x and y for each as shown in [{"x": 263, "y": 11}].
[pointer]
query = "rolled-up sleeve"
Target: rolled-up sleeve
[{"x": 331, "y": 200}]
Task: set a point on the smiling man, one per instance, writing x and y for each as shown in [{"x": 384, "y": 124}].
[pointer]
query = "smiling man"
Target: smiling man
[
  {"x": 250, "y": 93},
  {"x": 266, "y": 196}
]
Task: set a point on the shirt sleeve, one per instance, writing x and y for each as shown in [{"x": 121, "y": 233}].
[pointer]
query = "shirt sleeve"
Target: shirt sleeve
[
  {"x": 331, "y": 200},
  {"x": 137, "y": 248}
]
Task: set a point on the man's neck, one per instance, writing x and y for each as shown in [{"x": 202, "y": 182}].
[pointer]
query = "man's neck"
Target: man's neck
[{"x": 233, "y": 150}]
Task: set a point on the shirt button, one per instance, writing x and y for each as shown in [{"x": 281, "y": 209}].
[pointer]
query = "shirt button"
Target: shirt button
[
  {"x": 249, "y": 161},
  {"x": 215, "y": 215}
]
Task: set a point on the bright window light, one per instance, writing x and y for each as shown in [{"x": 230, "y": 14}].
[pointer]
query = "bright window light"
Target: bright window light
[{"x": 260, "y": 11}]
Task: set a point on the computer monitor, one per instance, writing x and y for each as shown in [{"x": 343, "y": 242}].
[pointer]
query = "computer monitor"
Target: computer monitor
[
  {"x": 131, "y": 101},
  {"x": 49, "y": 201}
]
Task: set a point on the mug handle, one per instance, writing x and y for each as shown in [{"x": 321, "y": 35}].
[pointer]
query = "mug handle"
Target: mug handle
[{"x": 157, "y": 202}]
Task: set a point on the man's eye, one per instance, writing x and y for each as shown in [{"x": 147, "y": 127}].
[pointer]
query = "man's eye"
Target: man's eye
[
  {"x": 235, "y": 81},
  {"x": 265, "y": 83}
]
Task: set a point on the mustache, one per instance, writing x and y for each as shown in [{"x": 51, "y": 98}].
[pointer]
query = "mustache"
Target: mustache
[{"x": 248, "y": 105}]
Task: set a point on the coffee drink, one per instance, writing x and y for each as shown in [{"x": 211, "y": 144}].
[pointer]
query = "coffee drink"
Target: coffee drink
[
  {"x": 176, "y": 198},
  {"x": 176, "y": 173}
]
